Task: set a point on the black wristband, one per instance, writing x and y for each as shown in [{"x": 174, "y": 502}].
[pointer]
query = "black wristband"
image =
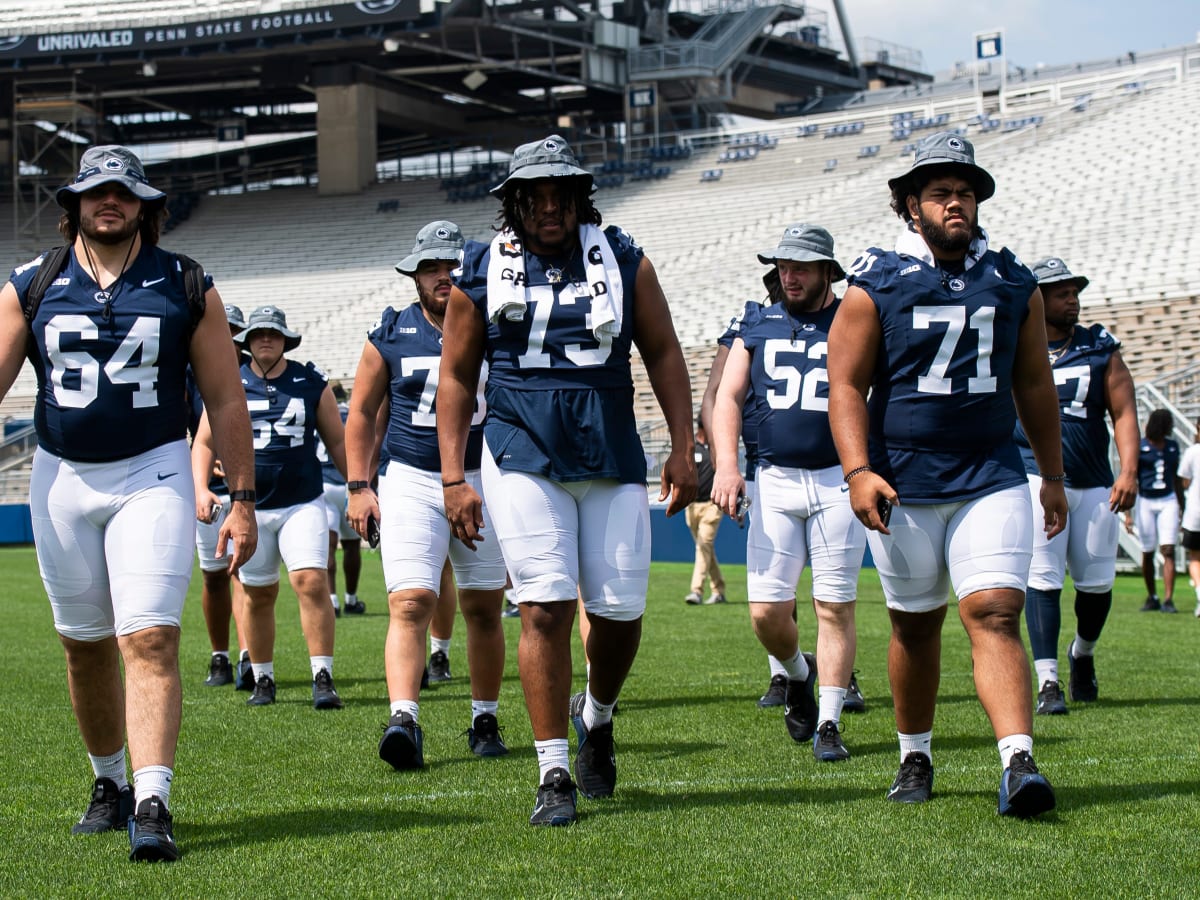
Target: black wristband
[
  {"x": 447, "y": 484},
  {"x": 846, "y": 478},
  {"x": 1061, "y": 477},
  {"x": 243, "y": 496},
  {"x": 353, "y": 486}
]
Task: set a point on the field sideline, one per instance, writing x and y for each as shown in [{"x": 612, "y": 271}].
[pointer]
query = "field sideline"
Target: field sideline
[{"x": 712, "y": 797}]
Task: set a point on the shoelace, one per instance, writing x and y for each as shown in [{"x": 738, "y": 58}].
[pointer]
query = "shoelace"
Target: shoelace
[
  {"x": 1022, "y": 763},
  {"x": 913, "y": 772},
  {"x": 828, "y": 730}
]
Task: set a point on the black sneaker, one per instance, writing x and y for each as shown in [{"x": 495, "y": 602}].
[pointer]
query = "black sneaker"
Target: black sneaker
[
  {"x": 109, "y": 809},
  {"x": 1151, "y": 604},
  {"x": 354, "y": 607},
  {"x": 483, "y": 737},
  {"x": 555, "y": 803},
  {"x": 1081, "y": 685},
  {"x": 595, "y": 758},
  {"x": 150, "y": 837},
  {"x": 854, "y": 698},
  {"x": 220, "y": 672},
  {"x": 1168, "y": 606},
  {"x": 827, "y": 744},
  {"x": 264, "y": 692},
  {"x": 775, "y": 692},
  {"x": 1050, "y": 699},
  {"x": 914, "y": 781},
  {"x": 403, "y": 743},
  {"x": 325, "y": 695},
  {"x": 244, "y": 680},
  {"x": 1024, "y": 791},
  {"x": 439, "y": 667},
  {"x": 800, "y": 704}
]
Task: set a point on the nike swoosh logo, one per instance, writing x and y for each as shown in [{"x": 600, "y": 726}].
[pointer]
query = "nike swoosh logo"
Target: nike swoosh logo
[
  {"x": 162, "y": 477},
  {"x": 155, "y": 281},
  {"x": 845, "y": 488},
  {"x": 294, "y": 380}
]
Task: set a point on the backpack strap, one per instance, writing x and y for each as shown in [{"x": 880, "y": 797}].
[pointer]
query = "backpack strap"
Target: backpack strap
[{"x": 53, "y": 262}]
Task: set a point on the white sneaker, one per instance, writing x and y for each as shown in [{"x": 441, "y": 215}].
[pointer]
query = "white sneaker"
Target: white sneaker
[{"x": 1197, "y": 609}]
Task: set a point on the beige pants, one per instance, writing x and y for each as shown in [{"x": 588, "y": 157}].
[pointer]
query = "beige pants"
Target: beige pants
[{"x": 703, "y": 518}]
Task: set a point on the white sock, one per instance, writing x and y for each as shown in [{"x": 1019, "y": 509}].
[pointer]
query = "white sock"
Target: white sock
[
  {"x": 551, "y": 754},
  {"x": 1047, "y": 670},
  {"x": 916, "y": 743},
  {"x": 224, "y": 653},
  {"x": 350, "y": 599},
  {"x": 594, "y": 712},
  {"x": 317, "y": 663},
  {"x": 479, "y": 707},
  {"x": 1079, "y": 647},
  {"x": 1011, "y": 744},
  {"x": 796, "y": 667},
  {"x": 830, "y": 700},
  {"x": 265, "y": 668},
  {"x": 436, "y": 644},
  {"x": 110, "y": 767},
  {"x": 775, "y": 666},
  {"x": 152, "y": 781},
  {"x": 333, "y": 600},
  {"x": 412, "y": 707}
]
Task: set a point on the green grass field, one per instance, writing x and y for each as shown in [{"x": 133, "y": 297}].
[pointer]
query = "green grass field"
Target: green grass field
[{"x": 713, "y": 797}]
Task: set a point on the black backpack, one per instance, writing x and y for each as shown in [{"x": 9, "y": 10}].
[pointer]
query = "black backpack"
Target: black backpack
[{"x": 55, "y": 260}]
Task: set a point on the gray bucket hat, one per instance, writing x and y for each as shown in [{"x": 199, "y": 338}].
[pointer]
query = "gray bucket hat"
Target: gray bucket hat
[
  {"x": 946, "y": 148},
  {"x": 270, "y": 318},
  {"x": 237, "y": 318},
  {"x": 101, "y": 165},
  {"x": 437, "y": 240},
  {"x": 550, "y": 157},
  {"x": 1052, "y": 269},
  {"x": 804, "y": 243}
]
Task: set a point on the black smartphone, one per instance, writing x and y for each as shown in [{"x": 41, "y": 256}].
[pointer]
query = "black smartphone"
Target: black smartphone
[
  {"x": 372, "y": 532},
  {"x": 885, "y": 511}
]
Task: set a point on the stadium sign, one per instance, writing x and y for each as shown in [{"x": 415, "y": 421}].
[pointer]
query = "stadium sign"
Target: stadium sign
[{"x": 194, "y": 35}]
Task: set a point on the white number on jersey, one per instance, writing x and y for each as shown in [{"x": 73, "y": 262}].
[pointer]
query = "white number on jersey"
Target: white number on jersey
[
  {"x": 289, "y": 425},
  {"x": 143, "y": 336},
  {"x": 541, "y": 298},
  {"x": 797, "y": 384},
  {"x": 935, "y": 381},
  {"x": 1082, "y": 376},
  {"x": 424, "y": 416}
]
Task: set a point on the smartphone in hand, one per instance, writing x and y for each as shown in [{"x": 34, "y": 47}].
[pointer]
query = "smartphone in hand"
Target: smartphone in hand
[
  {"x": 372, "y": 532},
  {"x": 885, "y": 511}
]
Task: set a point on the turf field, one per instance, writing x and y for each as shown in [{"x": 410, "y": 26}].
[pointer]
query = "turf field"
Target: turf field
[{"x": 712, "y": 798}]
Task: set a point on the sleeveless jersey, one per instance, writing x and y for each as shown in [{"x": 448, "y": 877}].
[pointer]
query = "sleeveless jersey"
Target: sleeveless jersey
[
  {"x": 1157, "y": 468},
  {"x": 283, "y": 418},
  {"x": 412, "y": 350},
  {"x": 751, "y": 408},
  {"x": 941, "y": 407},
  {"x": 329, "y": 472},
  {"x": 109, "y": 390},
  {"x": 1079, "y": 376},
  {"x": 787, "y": 370},
  {"x": 559, "y": 400}
]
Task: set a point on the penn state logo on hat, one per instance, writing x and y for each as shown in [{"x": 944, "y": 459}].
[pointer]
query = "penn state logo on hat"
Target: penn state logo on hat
[
  {"x": 804, "y": 243},
  {"x": 437, "y": 240},
  {"x": 103, "y": 165},
  {"x": 948, "y": 149},
  {"x": 549, "y": 157},
  {"x": 270, "y": 318},
  {"x": 1052, "y": 270}
]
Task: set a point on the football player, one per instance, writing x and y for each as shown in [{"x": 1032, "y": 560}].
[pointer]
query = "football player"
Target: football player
[{"x": 1160, "y": 497}]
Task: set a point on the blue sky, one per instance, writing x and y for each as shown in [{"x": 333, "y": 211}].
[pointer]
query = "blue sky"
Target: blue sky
[{"x": 1036, "y": 31}]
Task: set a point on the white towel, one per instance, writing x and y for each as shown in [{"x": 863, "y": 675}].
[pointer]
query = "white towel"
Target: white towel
[{"x": 603, "y": 277}]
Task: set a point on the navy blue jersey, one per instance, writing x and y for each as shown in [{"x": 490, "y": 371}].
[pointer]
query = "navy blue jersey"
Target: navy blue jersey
[
  {"x": 560, "y": 400},
  {"x": 111, "y": 389},
  {"x": 1079, "y": 374},
  {"x": 216, "y": 484},
  {"x": 411, "y": 348},
  {"x": 751, "y": 408},
  {"x": 787, "y": 370},
  {"x": 1157, "y": 468},
  {"x": 329, "y": 472},
  {"x": 283, "y": 417},
  {"x": 941, "y": 406}
]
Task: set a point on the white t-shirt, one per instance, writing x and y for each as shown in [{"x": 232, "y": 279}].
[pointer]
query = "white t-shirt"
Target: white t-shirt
[{"x": 1189, "y": 468}]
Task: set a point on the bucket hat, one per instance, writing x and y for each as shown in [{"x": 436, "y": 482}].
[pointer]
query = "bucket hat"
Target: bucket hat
[
  {"x": 106, "y": 163},
  {"x": 804, "y": 243},
  {"x": 237, "y": 318},
  {"x": 1052, "y": 269},
  {"x": 270, "y": 318},
  {"x": 549, "y": 157},
  {"x": 437, "y": 240},
  {"x": 947, "y": 148}
]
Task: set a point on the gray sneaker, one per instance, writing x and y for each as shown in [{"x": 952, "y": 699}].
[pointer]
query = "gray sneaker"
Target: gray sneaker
[{"x": 1051, "y": 701}]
